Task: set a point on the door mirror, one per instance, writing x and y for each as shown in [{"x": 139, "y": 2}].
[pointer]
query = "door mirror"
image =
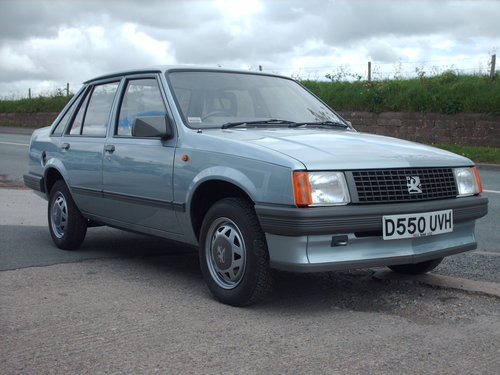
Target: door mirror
[{"x": 152, "y": 127}]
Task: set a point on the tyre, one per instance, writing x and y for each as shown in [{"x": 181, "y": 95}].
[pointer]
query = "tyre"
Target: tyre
[
  {"x": 67, "y": 226},
  {"x": 417, "y": 268},
  {"x": 233, "y": 253}
]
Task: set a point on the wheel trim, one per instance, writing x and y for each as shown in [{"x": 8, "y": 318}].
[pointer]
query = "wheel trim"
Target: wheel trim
[
  {"x": 59, "y": 216},
  {"x": 225, "y": 253}
]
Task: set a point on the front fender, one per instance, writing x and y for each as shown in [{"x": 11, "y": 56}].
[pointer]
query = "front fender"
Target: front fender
[{"x": 220, "y": 173}]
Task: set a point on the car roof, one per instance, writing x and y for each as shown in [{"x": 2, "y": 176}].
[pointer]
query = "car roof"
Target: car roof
[{"x": 170, "y": 68}]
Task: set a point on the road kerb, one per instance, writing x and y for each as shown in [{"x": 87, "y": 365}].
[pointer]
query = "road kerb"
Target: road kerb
[{"x": 482, "y": 287}]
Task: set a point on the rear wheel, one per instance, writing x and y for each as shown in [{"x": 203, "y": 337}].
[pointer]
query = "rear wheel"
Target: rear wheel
[
  {"x": 233, "y": 253},
  {"x": 67, "y": 226},
  {"x": 417, "y": 268}
]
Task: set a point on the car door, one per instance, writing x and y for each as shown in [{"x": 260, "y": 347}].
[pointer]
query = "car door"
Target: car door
[
  {"x": 81, "y": 147},
  {"x": 137, "y": 172}
]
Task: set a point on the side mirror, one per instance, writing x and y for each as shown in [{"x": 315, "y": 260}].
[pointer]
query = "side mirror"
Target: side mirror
[{"x": 152, "y": 127}]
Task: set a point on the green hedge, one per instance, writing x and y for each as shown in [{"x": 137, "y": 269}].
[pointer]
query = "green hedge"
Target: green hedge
[
  {"x": 39, "y": 104},
  {"x": 447, "y": 93},
  {"x": 476, "y": 153}
]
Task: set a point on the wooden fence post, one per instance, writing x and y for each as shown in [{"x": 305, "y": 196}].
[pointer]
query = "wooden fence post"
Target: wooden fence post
[
  {"x": 29, "y": 93},
  {"x": 369, "y": 71},
  {"x": 492, "y": 68}
]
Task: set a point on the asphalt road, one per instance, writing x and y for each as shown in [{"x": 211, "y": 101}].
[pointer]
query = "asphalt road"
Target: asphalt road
[
  {"x": 13, "y": 158},
  {"x": 126, "y": 303},
  {"x": 129, "y": 304}
]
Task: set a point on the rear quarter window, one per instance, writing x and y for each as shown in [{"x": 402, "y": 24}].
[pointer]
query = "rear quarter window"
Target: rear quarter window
[
  {"x": 93, "y": 115},
  {"x": 59, "y": 128}
]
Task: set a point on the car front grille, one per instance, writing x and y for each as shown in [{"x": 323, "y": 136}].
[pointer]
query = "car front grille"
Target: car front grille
[{"x": 401, "y": 185}]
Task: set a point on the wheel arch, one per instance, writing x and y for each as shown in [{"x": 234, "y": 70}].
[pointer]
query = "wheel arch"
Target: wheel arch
[
  {"x": 55, "y": 170},
  {"x": 51, "y": 176},
  {"x": 209, "y": 192}
]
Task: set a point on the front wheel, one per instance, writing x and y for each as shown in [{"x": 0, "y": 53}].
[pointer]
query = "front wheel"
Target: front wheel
[
  {"x": 417, "y": 268},
  {"x": 67, "y": 226},
  {"x": 233, "y": 253}
]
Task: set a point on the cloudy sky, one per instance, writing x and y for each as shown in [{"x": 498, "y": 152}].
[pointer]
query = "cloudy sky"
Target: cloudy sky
[{"x": 44, "y": 44}]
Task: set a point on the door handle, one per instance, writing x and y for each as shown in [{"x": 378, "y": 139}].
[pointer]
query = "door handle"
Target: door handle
[
  {"x": 64, "y": 146},
  {"x": 109, "y": 148}
]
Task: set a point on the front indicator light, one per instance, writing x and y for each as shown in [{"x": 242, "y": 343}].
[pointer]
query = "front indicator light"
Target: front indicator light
[
  {"x": 302, "y": 188},
  {"x": 478, "y": 180}
]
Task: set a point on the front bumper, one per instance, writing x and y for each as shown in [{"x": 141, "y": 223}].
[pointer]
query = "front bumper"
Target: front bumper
[
  {"x": 300, "y": 240},
  {"x": 293, "y": 221},
  {"x": 34, "y": 182}
]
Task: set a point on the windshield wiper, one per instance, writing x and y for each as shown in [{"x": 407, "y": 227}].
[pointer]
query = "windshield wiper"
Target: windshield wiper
[
  {"x": 271, "y": 121},
  {"x": 318, "y": 123}
]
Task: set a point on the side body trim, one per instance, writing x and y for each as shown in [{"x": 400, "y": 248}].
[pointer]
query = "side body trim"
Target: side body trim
[{"x": 176, "y": 206}]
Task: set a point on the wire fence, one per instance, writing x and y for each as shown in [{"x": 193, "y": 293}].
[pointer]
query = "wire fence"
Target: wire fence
[
  {"x": 351, "y": 71},
  {"x": 48, "y": 90}
]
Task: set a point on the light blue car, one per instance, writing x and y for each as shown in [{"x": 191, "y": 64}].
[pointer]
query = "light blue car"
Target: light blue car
[{"x": 255, "y": 171}]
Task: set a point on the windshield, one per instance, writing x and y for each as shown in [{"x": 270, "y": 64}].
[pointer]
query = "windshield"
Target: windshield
[{"x": 213, "y": 99}]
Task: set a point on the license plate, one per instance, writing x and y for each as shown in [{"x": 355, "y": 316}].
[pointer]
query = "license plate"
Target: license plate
[{"x": 417, "y": 225}]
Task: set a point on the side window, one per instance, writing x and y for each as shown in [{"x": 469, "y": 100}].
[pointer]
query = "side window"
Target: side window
[
  {"x": 96, "y": 118},
  {"x": 58, "y": 130},
  {"x": 76, "y": 127},
  {"x": 142, "y": 98},
  {"x": 92, "y": 117}
]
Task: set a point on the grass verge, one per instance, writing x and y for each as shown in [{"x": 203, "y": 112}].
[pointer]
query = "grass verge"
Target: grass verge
[{"x": 477, "y": 153}]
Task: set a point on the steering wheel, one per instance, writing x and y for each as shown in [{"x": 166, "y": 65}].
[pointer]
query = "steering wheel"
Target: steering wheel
[{"x": 216, "y": 113}]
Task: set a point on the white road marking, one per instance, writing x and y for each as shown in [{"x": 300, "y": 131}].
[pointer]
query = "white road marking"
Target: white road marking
[
  {"x": 15, "y": 144},
  {"x": 491, "y": 191}
]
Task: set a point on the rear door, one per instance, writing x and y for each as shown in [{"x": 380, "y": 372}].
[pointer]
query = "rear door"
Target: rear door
[
  {"x": 81, "y": 147},
  {"x": 137, "y": 172}
]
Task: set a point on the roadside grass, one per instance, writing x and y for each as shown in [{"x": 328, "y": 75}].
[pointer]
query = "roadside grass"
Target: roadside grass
[{"x": 478, "y": 154}]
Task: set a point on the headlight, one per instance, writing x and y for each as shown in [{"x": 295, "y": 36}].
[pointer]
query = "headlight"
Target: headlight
[
  {"x": 468, "y": 181},
  {"x": 320, "y": 188}
]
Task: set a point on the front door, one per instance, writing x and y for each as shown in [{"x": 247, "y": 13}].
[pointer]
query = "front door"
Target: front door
[{"x": 137, "y": 172}]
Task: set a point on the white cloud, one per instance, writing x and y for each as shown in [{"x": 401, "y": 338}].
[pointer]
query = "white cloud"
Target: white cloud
[
  {"x": 53, "y": 42},
  {"x": 12, "y": 60},
  {"x": 237, "y": 10},
  {"x": 158, "y": 52}
]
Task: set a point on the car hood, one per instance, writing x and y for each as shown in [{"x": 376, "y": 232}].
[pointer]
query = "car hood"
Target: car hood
[{"x": 320, "y": 149}]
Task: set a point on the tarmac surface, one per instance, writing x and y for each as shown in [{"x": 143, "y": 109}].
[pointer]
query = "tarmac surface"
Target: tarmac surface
[{"x": 126, "y": 303}]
